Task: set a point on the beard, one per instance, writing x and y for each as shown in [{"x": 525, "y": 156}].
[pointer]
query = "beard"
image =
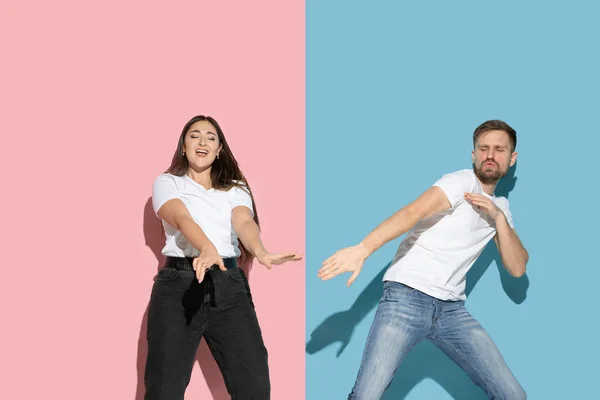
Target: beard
[{"x": 488, "y": 174}]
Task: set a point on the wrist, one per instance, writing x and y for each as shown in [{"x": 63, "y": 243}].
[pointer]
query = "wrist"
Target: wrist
[
  {"x": 365, "y": 250},
  {"x": 500, "y": 218},
  {"x": 258, "y": 253},
  {"x": 208, "y": 246}
]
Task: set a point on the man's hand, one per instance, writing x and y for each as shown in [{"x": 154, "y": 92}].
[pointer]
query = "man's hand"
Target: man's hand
[
  {"x": 484, "y": 204},
  {"x": 349, "y": 259},
  {"x": 207, "y": 258}
]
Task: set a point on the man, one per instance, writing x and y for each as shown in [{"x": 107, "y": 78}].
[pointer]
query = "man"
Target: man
[{"x": 447, "y": 228}]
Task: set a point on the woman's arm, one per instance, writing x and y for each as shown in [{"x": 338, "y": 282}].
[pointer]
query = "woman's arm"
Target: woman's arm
[
  {"x": 176, "y": 214},
  {"x": 247, "y": 230},
  {"x": 249, "y": 234}
]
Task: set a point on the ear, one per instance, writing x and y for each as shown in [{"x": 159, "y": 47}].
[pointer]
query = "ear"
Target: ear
[
  {"x": 513, "y": 158},
  {"x": 472, "y": 156}
]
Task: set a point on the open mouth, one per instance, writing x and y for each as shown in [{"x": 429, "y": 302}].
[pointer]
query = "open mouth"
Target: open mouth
[{"x": 202, "y": 152}]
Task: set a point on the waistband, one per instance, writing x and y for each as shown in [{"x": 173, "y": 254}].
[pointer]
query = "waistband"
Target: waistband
[{"x": 185, "y": 263}]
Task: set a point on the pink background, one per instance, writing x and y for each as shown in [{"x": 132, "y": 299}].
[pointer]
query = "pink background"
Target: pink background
[{"x": 93, "y": 98}]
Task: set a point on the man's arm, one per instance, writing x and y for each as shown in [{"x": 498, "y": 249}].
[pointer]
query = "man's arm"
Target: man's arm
[
  {"x": 512, "y": 252},
  {"x": 351, "y": 259},
  {"x": 431, "y": 202}
]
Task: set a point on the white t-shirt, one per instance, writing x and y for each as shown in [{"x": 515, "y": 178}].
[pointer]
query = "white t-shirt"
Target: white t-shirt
[
  {"x": 210, "y": 209},
  {"x": 437, "y": 252}
]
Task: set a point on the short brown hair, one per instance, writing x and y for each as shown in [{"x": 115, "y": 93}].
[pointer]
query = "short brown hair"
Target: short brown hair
[{"x": 496, "y": 125}]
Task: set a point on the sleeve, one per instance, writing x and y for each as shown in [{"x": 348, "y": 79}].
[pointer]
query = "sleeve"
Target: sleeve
[
  {"x": 454, "y": 186},
  {"x": 239, "y": 196},
  {"x": 509, "y": 216},
  {"x": 164, "y": 189}
]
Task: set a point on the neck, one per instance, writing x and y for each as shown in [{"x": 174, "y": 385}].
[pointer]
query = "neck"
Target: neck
[
  {"x": 201, "y": 177},
  {"x": 488, "y": 187}
]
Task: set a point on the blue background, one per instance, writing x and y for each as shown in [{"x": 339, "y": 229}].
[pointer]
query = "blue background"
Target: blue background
[{"x": 394, "y": 92}]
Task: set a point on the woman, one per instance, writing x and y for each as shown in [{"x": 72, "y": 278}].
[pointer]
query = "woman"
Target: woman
[{"x": 206, "y": 204}]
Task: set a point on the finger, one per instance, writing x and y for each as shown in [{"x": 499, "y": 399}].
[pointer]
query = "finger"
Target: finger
[
  {"x": 353, "y": 277},
  {"x": 195, "y": 263},
  {"x": 200, "y": 273},
  {"x": 327, "y": 269},
  {"x": 479, "y": 201},
  {"x": 203, "y": 266},
  {"x": 282, "y": 258},
  {"x": 482, "y": 205},
  {"x": 474, "y": 195},
  {"x": 268, "y": 264},
  {"x": 221, "y": 265},
  {"x": 327, "y": 265},
  {"x": 331, "y": 273},
  {"x": 288, "y": 259},
  {"x": 331, "y": 258}
]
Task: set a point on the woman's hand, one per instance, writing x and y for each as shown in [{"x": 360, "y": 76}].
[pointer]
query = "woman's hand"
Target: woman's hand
[
  {"x": 207, "y": 258},
  {"x": 269, "y": 259}
]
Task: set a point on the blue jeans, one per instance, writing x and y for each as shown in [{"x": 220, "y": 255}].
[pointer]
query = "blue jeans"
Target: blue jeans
[{"x": 404, "y": 317}]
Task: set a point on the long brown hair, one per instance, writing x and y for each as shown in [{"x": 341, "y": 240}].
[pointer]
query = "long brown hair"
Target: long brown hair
[{"x": 225, "y": 171}]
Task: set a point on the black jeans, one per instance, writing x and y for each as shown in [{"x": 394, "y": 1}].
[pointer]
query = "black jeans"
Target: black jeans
[{"x": 220, "y": 309}]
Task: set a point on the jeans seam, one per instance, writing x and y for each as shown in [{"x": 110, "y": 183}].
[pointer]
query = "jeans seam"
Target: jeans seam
[
  {"x": 219, "y": 360},
  {"x": 462, "y": 355},
  {"x": 352, "y": 394}
]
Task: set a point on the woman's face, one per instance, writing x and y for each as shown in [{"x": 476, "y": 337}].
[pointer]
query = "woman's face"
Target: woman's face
[{"x": 201, "y": 145}]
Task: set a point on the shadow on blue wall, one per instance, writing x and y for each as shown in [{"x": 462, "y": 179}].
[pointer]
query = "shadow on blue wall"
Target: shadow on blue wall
[{"x": 425, "y": 361}]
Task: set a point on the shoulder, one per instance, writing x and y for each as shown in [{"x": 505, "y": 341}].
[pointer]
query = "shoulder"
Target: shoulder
[
  {"x": 165, "y": 188},
  {"x": 455, "y": 184},
  {"x": 239, "y": 195},
  {"x": 237, "y": 187},
  {"x": 168, "y": 181},
  {"x": 168, "y": 178},
  {"x": 465, "y": 178}
]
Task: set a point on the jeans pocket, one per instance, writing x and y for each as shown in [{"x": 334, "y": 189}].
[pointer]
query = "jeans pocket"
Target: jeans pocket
[
  {"x": 396, "y": 291},
  {"x": 235, "y": 274},
  {"x": 167, "y": 274}
]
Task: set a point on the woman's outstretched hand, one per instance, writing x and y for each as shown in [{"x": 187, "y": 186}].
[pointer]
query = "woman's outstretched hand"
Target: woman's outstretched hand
[{"x": 269, "y": 259}]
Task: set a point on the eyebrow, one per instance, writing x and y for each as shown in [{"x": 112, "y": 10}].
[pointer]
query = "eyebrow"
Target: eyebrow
[
  {"x": 209, "y": 132},
  {"x": 496, "y": 146}
]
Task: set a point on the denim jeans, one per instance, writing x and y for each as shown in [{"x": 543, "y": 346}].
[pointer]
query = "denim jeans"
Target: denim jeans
[
  {"x": 182, "y": 311},
  {"x": 404, "y": 317}
]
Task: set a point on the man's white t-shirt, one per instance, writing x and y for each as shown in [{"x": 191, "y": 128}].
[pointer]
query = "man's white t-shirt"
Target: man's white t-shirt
[
  {"x": 211, "y": 209},
  {"x": 437, "y": 252}
]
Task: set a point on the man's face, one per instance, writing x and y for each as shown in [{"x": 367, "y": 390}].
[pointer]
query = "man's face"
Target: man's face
[{"x": 492, "y": 156}]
